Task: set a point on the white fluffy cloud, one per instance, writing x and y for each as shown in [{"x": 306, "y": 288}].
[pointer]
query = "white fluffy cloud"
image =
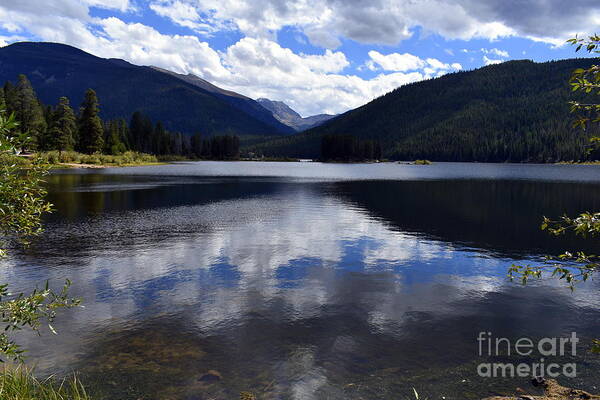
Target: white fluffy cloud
[
  {"x": 121, "y": 5},
  {"x": 394, "y": 61},
  {"x": 309, "y": 83},
  {"x": 496, "y": 56},
  {"x": 496, "y": 52},
  {"x": 408, "y": 62},
  {"x": 491, "y": 61},
  {"x": 144, "y": 45},
  {"x": 256, "y": 67},
  {"x": 390, "y": 21},
  {"x": 183, "y": 14}
]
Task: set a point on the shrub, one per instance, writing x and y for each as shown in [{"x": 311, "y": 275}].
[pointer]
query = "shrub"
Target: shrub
[{"x": 422, "y": 162}]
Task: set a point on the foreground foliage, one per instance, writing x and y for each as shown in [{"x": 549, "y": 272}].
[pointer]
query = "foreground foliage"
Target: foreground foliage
[
  {"x": 574, "y": 267},
  {"x": 22, "y": 204},
  {"x": 20, "y": 384}
]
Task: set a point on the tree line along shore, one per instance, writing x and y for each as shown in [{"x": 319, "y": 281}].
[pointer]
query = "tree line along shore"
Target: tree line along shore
[{"x": 60, "y": 135}]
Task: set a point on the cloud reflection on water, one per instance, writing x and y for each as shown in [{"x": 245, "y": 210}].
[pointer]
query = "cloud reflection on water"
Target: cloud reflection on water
[{"x": 328, "y": 290}]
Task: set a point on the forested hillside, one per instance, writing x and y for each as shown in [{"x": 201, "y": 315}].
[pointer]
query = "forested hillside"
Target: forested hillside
[
  {"x": 57, "y": 70},
  {"x": 515, "y": 111},
  {"x": 59, "y": 128}
]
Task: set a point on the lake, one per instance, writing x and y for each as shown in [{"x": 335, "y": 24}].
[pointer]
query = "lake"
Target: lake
[{"x": 306, "y": 280}]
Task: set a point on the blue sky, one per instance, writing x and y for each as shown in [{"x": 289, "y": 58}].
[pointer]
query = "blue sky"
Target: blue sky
[{"x": 316, "y": 55}]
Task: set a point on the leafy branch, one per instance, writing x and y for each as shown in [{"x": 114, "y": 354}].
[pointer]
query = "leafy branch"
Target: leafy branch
[
  {"x": 575, "y": 267},
  {"x": 22, "y": 204},
  {"x": 586, "y": 81},
  {"x": 28, "y": 311}
]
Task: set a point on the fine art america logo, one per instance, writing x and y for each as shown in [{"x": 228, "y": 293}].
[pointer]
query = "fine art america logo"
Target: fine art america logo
[{"x": 490, "y": 346}]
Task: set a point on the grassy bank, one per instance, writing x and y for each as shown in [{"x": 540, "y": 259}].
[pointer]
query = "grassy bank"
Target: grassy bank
[
  {"x": 19, "y": 383},
  {"x": 72, "y": 159},
  {"x": 580, "y": 162}
]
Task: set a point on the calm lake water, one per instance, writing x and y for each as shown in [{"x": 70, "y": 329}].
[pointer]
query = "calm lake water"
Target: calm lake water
[{"x": 305, "y": 280}]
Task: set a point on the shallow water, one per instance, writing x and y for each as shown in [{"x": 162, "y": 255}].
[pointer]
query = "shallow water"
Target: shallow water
[{"x": 305, "y": 280}]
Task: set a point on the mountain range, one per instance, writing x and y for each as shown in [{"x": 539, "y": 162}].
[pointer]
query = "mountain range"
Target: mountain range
[
  {"x": 183, "y": 103},
  {"x": 513, "y": 111},
  {"x": 289, "y": 117}
]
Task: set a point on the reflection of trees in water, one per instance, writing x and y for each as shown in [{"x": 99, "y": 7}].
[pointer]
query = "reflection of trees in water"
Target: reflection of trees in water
[
  {"x": 502, "y": 216},
  {"x": 130, "y": 207},
  {"x": 79, "y": 196},
  {"x": 333, "y": 330}
]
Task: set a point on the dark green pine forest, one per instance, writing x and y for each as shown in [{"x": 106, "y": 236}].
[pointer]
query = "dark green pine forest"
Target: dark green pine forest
[
  {"x": 60, "y": 128},
  {"x": 516, "y": 111}
]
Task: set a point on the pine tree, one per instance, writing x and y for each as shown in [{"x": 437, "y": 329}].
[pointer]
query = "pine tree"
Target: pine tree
[
  {"x": 10, "y": 97},
  {"x": 158, "y": 138},
  {"x": 141, "y": 132},
  {"x": 91, "y": 134},
  {"x": 177, "y": 144},
  {"x": 30, "y": 113},
  {"x": 206, "y": 149},
  {"x": 196, "y": 145},
  {"x": 114, "y": 146},
  {"x": 124, "y": 133},
  {"x": 136, "y": 127},
  {"x": 2, "y": 100},
  {"x": 63, "y": 127},
  {"x": 186, "y": 146}
]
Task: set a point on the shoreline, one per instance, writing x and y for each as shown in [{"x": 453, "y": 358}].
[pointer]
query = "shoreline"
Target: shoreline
[{"x": 101, "y": 166}]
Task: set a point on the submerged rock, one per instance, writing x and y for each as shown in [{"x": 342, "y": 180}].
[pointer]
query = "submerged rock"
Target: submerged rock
[
  {"x": 552, "y": 391},
  {"x": 210, "y": 377}
]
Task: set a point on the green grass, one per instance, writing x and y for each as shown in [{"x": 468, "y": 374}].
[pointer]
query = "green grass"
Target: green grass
[
  {"x": 580, "y": 162},
  {"x": 129, "y": 158},
  {"x": 19, "y": 383}
]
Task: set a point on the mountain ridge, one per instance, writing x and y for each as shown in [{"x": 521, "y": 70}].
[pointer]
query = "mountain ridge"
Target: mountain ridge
[
  {"x": 288, "y": 116},
  {"x": 237, "y": 100},
  {"x": 56, "y": 70},
  {"x": 513, "y": 111}
]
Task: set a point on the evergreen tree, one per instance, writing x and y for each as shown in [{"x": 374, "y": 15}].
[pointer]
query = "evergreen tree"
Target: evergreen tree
[
  {"x": 177, "y": 144},
  {"x": 29, "y": 113},
  {"x": 141, "y": 132},
  {"x": 124, "y": 133},
  {"x": 196, "y": 145},
  {"x": 186, "y": 146},
  {"x": 221, "y": 148},
  {"x": 136, "y": 130},
  {"x": 63, "y": 127},
  {"x": 158, "y": 139},
  {"x": 2, "y": 100},
  {"x": 348, "y": 148},
  {"x": 206, "y": 149},
  {"x": 91, "y": 134},
  {"x": 10, "y": 97},
  {"x": 114, "y": 146},
  {"x": 146, "y": 138}
]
